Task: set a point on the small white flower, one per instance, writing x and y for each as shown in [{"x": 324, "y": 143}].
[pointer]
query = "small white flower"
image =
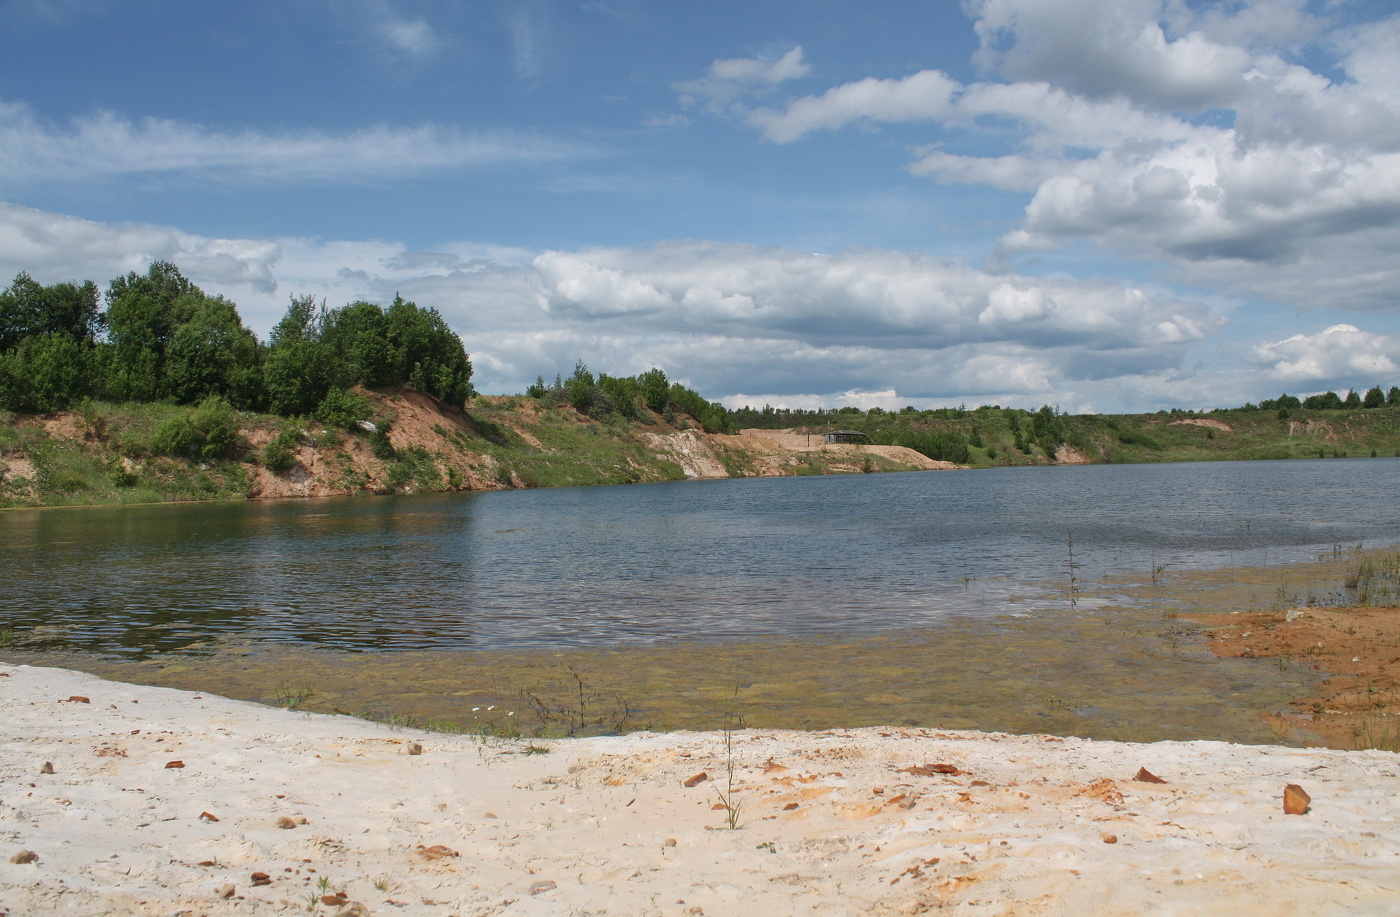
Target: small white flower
[{"x": 474, "y": 709}]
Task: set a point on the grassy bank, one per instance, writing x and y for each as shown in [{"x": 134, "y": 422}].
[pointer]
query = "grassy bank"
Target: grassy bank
[
  {"x": 993, "y": 436},
  {"x": 105, "y": 453}
]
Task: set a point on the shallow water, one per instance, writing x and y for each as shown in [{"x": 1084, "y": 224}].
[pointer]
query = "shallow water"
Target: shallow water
[
  {"x": 609, "y": 566},
  {"x": 938, "y": 599}
]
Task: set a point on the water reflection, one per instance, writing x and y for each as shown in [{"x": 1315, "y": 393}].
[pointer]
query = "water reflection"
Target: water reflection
[{"x": 647, "y": 564}]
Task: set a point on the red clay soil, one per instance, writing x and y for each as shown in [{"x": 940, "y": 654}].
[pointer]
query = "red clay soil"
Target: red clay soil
[{"x": 1357, "y": 649}]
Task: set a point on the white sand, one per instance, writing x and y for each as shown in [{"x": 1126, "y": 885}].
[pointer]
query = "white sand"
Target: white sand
[{"x": 605, "y": 826}]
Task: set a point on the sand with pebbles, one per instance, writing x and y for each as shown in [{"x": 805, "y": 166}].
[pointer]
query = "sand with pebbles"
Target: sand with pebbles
[{"x": 278, "y": 812}]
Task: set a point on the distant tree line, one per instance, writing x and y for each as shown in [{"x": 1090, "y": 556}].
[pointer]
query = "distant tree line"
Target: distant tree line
[
  {"x": 163, "y": 339},
  {"x": 1331, "y": 401},
  {"x": 605, "y": 396}
]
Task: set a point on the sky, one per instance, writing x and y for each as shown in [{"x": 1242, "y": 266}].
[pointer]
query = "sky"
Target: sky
[{"x": 1102, "y": 205}]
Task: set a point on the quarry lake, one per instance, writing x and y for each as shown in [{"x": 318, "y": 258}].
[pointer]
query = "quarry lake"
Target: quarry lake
[{"x": 644, "y": 564}]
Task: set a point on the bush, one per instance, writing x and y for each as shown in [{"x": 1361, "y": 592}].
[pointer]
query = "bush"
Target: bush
[
  {"x": 280, "y": 454},
  {"x": 209, "y": 432},
  {"x": 379, "y": 444},
  {"x": 344, "y": 408}
]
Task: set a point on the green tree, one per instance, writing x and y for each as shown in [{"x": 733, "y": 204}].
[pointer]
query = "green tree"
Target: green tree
[
  {"x": 359, "y": 335},
  {"x": 579, "y": 387},
  {"x": 29, "y": 309},
  {"x": 655, "y": 389},
  {"x": 1374, "y": 397},
  {"x": 1352, "y": 399},
  {"x": 426, "y": 354},
  {"x": 44, "y": 373},
  {"x": 211, "y": 353},
  {"x": 1327, "y": 401},
  {"x": 143, "y": 313},
  {"x": 300, "y": 369}
]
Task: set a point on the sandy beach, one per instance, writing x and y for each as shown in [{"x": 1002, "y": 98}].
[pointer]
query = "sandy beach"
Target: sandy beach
[{"x": 122, "y": 799}]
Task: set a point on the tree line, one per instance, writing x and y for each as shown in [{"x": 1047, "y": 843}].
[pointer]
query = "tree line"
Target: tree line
[
  {"x": 163, "y": 339},
  {"x": 605, "y": 396}
]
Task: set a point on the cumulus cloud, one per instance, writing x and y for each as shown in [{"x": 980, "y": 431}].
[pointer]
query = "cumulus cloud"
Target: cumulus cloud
[
  {"x": 1108, "y": 48},
  {"x": 104, "y": 145},
  {"x": 1339, "y": 356},
  {"x": 1187, "y": 136},
  {"x": 746, "y": 324}
]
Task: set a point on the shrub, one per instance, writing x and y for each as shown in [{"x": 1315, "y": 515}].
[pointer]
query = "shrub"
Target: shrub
[
  {"x": 280, "y": 454},
  {"x": 344, "y": 408},
  {"x": 210, "y": 431},
  {"x": 379, "y": 443}
]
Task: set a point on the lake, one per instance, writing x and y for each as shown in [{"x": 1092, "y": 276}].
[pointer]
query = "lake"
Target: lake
[
  {"x": 604, "y": 566},
  {"x": 929, "y": 599}
]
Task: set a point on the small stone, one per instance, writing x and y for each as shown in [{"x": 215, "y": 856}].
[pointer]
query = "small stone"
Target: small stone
[
  {"x": 227, "y": 891},
  {"x": 414, "y": 748},
  {"x": 78, "y": 699},
  {"x": 669, "y": 842},
  {"x": 174, "y": 765},
  {"x": 47, "y": 768},
  {"x": 1146, "y": 776},
  {"x": 261, "y": 878},
  {"x": 337, "y": 900},
  {"x": 789, "y": 807},
  {"x": 697, "y": 779},
  {"x": 286, "y": 823},
  {"x": 1110, "y": 838},
  {"x": 542, "y": 886},
  {"x": 25, "y": 856},
  {"x": 353, "y": 909},
  {"x": 1295, "y": 800},
  {"x": 436, "y": 852}
]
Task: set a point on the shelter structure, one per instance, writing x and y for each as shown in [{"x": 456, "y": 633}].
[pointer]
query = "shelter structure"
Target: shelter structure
[{"x": 846, "y": 436}]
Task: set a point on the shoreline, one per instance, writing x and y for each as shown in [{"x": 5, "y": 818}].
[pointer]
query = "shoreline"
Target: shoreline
[{"x": 878, "y": 820}]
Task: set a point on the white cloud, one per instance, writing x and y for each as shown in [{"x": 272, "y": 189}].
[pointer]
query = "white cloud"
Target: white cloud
[
  {"x": 397, "y": 35},
  {"x": 1339, "y": 356},
  {"x": 867, "y": 327},
  {"x": 105, "y": 145},
  {"x": 728, "y": 80},
  {"x": 920, "y": 96},
  {"x": 1170, "y": 133},
  {"x": 1108, "y": 48}
]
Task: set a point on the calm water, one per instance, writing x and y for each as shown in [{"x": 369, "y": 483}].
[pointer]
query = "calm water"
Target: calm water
[{"x": 611, "y": 566}]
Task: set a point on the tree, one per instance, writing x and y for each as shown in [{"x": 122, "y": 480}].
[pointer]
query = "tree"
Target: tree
[
  {"x": 45, "y": 373},
  {"x": 168, "y": 340},
  {"x": 28, "y": 309},
  {"x": 579, "y": 387},
  {"x": 1393, "y": 396},
  {"x": 426, "y": 354},
  {"x": 1327, "y": 401},
  {"x": 213, "y": 354},
  {"x": 359, "y": 335},
  {"x": 655, "y": 389},
  {"x": 1374, "y": 397},
  {"x": 1352, "y": 399}
]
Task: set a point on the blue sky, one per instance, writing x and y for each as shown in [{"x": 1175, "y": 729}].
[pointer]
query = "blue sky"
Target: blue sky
[{"x": 1100, "y": 204}]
